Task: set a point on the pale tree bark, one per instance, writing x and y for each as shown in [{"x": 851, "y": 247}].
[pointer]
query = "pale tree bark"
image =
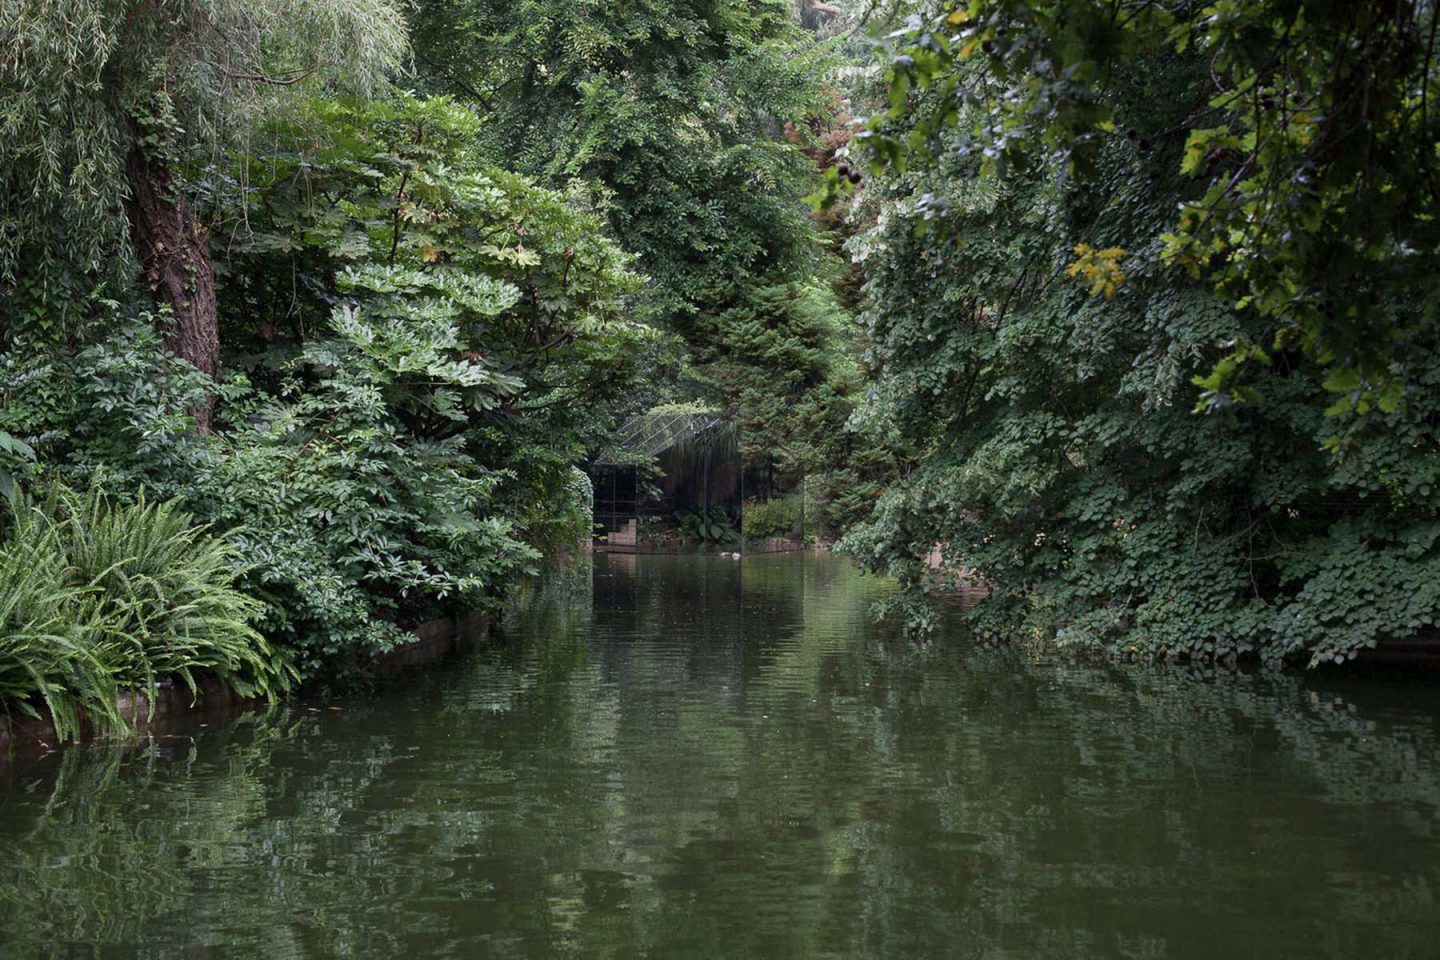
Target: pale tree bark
[{"x": 174, "y": 254}]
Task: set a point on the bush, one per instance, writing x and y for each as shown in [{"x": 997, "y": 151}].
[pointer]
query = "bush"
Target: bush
[
  {"x": 564, "y": 512},
  {"x": 706, "y": 525},
  {"x": 98, "y": 597},
  {"x": 164, "y": 597},
  {"x": 46, "y": 625},
  {"x": 353, "y": 526},
  {"x": 16, "y": 457},
  {"x": 1060, "y": 452},
  {"x": 773, "y": 518}
]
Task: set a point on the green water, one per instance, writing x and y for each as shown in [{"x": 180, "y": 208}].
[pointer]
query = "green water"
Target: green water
[{"x": 697, "y": 757}]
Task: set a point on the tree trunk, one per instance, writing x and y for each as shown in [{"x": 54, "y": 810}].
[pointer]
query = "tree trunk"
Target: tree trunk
[{"x": 174, "y": 255}]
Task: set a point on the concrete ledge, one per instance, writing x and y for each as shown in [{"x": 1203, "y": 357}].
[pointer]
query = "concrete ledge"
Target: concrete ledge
[
  {"x": 173, "y": 703},
  {"x": 433, "y": 641},
  {"x": 175, "y": 707},
  {"x": 1421, "y": 650}
]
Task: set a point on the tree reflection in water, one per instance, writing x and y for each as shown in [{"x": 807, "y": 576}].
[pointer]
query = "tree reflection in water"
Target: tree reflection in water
[{"x": 693, "y": 757}]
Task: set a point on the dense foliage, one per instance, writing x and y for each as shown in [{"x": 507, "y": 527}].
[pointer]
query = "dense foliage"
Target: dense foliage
[
  {"x": 697, "y": 121},
  {"x": 677, "y": 109},
  {"x": 408, "y": 350},
  {"x": 104, "y": 102},
  {"x": 1304, "y": 129},
  {"x": 98, "y": 597},
  {"x": 429, "y": 342},
  {"x": 1130, "y": 307},
  {"x": 418, "y": 347},
  {"x": 1032, "y": 340}
]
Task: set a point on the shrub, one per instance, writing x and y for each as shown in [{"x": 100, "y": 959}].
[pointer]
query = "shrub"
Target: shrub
[
  {"x": 45, "y": 628},
  {"x": 98, "y": 597},
  {"x": 15, "y": 459},
  {"x": 164, "y": 597},
  {"x": 564, "y": 513},
  {"x": 353, "y": 526},
  {"x": 773, "y": 518},
  {"x": 706, "y": 525}
]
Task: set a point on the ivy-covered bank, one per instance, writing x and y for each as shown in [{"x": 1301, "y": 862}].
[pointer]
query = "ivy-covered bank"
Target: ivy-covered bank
[{"x": 1152, "y": 296}]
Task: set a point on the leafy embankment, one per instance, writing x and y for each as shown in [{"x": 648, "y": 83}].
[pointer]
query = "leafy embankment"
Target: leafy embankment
[{"x": 1214, "y": 433}]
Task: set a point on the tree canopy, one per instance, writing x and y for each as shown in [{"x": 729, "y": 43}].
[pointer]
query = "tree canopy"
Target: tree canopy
[
  {"x": 1307, "y": 137},
  {"x": 81, "y": 82}
]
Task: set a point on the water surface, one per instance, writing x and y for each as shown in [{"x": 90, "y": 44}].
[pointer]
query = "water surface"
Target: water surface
[{"x": 679, "y": 757}]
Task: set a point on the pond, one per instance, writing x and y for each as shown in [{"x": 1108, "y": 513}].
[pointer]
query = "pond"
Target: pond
[{"x": 679, "y": 757}]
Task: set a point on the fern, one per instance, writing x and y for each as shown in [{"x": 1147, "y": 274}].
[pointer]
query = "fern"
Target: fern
[{"x": 99, "y": 597}]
